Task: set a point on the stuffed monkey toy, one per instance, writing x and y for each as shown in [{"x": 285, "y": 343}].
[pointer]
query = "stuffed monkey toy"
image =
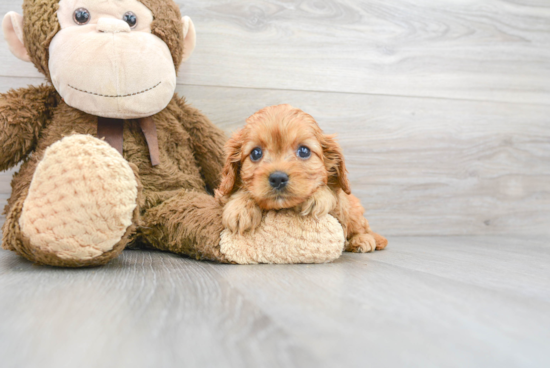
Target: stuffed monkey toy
[{"x": 110, "y": 156}]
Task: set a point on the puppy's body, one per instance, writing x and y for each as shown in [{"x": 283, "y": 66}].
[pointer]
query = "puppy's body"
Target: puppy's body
[{"x": 281, "y": 159}]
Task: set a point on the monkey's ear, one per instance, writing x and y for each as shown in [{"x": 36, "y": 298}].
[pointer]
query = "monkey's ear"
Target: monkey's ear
[
  {"x": 190, "y": 38},
  {"x": 13, "y": 33}
]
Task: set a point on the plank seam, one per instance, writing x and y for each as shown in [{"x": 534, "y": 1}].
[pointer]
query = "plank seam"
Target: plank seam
[{"x": 337, "y": 92}]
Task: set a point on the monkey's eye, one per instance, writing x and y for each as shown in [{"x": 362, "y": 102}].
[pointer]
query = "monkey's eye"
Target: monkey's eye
[
  {"x": 81, "y": 16},
  {"x": 304, "y": 152},
  {"x": 256, "y": 154},
  {"x": 130, "y": 18}
]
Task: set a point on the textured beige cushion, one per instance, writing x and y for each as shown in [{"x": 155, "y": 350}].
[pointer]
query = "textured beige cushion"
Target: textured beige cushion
[
  {"x": 286, "y": 237},
  {"x": 81, "y": 199}
]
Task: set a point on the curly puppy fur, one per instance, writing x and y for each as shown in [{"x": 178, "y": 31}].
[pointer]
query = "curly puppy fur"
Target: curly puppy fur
[{"x": 317, "y": 185}]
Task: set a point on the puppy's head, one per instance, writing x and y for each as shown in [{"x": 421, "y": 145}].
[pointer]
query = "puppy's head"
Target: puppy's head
[{"x": 281, "y": 157}]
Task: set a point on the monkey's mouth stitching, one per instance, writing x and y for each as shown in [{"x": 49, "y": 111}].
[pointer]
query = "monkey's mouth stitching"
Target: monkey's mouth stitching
[{"x": 115, "y": 96}]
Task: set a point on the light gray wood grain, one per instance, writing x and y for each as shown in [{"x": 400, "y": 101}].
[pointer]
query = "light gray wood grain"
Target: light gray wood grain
[
  {"x": 144, "y": 310},
  {"x": 497, "y": 50},
  {"x": 424, "y": 166},
  {"x": 482, "y": 261},
  {"x": 420, "y": 166},
  {"x": 5, "y": 190},
  {"x": 423, "y": 302}
]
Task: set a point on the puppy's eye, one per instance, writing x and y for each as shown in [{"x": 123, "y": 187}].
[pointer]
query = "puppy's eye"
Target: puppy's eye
[
  {"x": 81, "y": 16},
  {"x": 131, "y": 19},
  {"x": 256, "y": 154},
  {"x": 304, "y": 152}
]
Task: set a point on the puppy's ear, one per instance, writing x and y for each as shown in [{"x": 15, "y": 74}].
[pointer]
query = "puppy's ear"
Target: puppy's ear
[
  {"x": 230, "y": 172},
  {"x": 335, "y": 164}
]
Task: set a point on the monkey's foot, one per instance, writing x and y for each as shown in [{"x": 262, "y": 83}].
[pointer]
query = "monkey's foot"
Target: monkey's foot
[{"x": 80, "y": 206}]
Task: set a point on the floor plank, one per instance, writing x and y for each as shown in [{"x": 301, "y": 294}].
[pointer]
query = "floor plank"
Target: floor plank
[
  {"x": 398, "y": 307},
  {"x": 496, "y": 51},
  {"x": 524, "y": 262},
  {"x": 143, "y": 310},
  {"x": 420, "y": 166}
]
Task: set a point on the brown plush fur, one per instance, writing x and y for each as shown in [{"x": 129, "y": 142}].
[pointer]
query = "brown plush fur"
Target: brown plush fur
[
  {"x": 23, "y": 114},
  {"x": 167, "y": 26},
  {"x": 175, "y": 211},
  {"x": 41, "y": 26},
  {"x": 317, "y": 185},
  {"x": 185, "y": 221}
]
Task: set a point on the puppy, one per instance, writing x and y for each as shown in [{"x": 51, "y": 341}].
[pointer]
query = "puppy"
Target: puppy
[{"x": 282, "y": 160}]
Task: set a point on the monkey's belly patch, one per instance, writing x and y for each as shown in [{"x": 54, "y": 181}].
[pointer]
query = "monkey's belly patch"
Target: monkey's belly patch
[
  {"x": 286, "y": 237},
  {"x": 81, "y": 199}
]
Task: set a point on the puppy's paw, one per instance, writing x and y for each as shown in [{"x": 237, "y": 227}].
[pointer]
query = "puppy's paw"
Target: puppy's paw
[
  {"x": 244, "y": 221},
  {"x": 241, "y": 214},
  {"x": 381, "y": 242},
  {"x": 361, "y": 243},
  {"x": 319, "y": 204}
]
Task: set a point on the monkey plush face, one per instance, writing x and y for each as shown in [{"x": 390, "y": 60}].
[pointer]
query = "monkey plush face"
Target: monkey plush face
[
  {"x": 106, "y": 62},
  {"x": 110, "y": 58}
]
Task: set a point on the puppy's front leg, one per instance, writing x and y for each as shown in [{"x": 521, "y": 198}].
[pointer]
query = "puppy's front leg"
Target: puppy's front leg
[
  {"x": 241, "y": 213},
  {"x": 360, "y": 238},
  {"x": 319, "y": 204}
]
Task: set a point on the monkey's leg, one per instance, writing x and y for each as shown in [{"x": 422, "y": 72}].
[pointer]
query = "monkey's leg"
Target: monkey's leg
[
  {"x": 80, "y": 208},
  {"x": 189, "y": 223}
]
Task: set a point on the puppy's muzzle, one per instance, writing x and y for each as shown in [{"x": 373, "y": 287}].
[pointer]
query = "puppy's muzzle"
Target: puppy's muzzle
[{"x": 278, "y": 180}]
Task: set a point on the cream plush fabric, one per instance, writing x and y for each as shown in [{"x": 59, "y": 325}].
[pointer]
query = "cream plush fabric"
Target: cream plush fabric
[
  {"x": 81, "y": 199},
  {"x": 13, "y": 33},
  {"x": 107, "y": 69},
  {"x": 286, "y": 237}
]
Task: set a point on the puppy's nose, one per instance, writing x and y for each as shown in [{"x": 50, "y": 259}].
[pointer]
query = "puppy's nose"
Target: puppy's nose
[{"x": 278, "y": 180}]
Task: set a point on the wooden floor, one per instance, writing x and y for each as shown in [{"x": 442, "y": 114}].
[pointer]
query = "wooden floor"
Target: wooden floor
[{"x": 424, "y": 302}]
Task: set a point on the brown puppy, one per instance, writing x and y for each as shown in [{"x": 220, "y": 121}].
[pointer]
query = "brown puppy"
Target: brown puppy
[{"x": 281, "y": 159}]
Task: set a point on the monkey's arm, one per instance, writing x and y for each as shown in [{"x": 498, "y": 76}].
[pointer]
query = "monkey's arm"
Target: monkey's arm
[
  {"x": 23, "y": 113},
  {"x": 208, "y": 142}
]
